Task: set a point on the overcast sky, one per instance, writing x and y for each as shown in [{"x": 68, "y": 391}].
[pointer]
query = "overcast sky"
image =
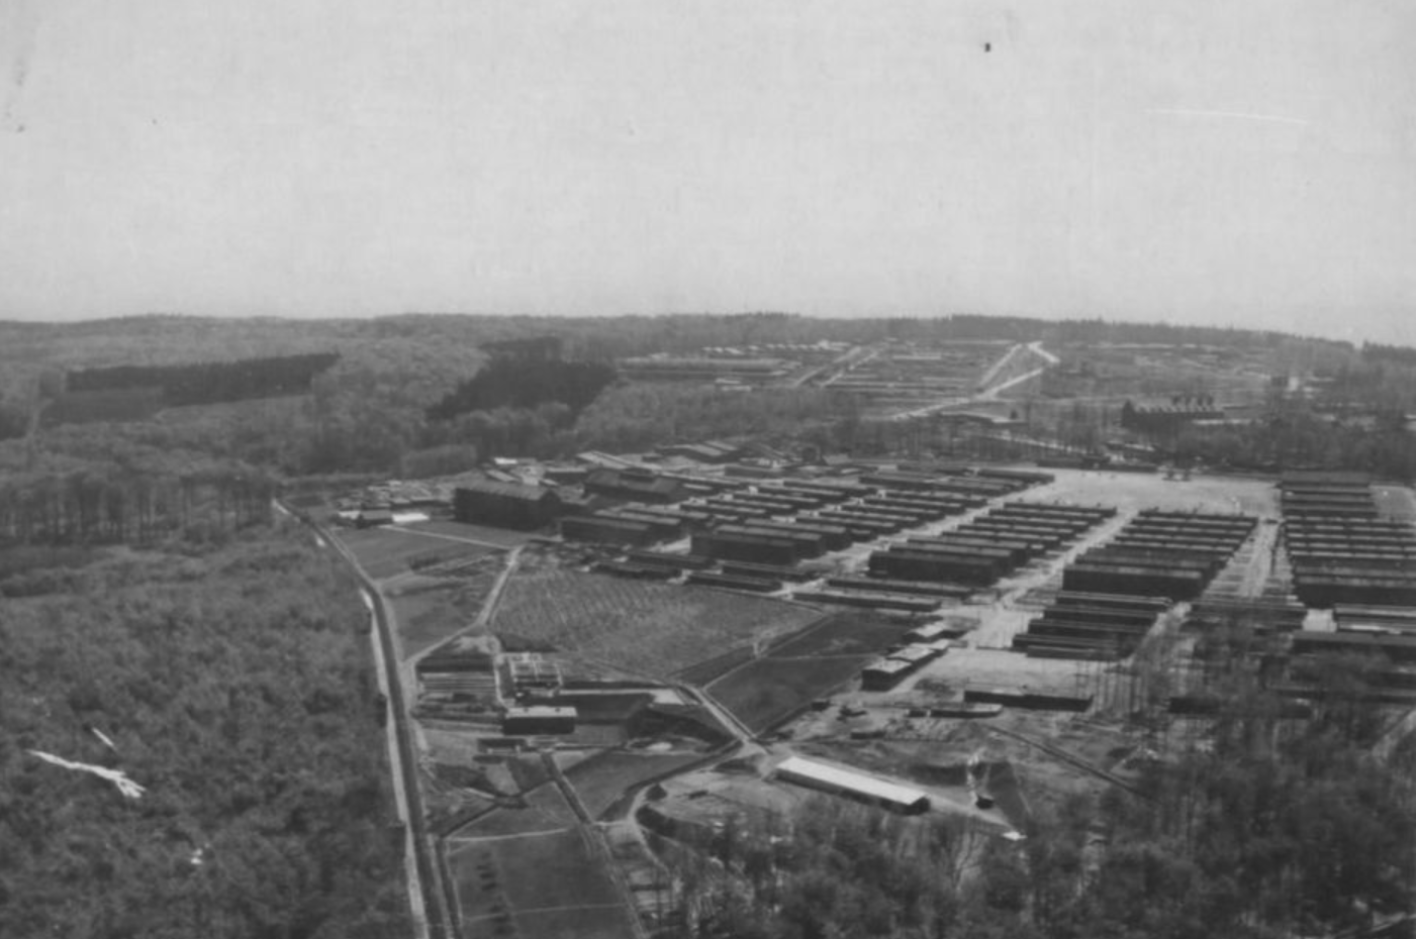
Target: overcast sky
[{"x": 1244, "y": 162}]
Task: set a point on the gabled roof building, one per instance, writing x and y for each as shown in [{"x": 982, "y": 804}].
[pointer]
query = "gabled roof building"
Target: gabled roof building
[
  {"x": 841, "y": 781},
  {"x": 635, "y": 485},
  {"x": 505, "y": 505}
]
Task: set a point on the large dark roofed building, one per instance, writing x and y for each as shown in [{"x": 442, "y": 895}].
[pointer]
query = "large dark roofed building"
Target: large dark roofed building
[
  {"x": 1161, "y": 418},
  {"x": 505, "y": 505},
  {"x": 635, "y": 485},
  {"x": 710, "y": 451}
]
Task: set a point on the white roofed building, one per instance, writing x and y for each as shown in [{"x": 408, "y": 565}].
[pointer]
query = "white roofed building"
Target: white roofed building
[{"x": 854, "y": 785}]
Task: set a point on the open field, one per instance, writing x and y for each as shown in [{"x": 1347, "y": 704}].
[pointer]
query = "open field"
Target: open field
[
  {"x": 767, "y": 690},
  {"x": 545, "y": 811},
  {"x": 850, "y": 633},
  {"x": 723, "y": 791},
  {"x": 1131, "y": 492},
  {"x": 705, "y": 672},
  {"x": 1395, "y": 502},
  {"x": 820, "y": 658},
  {"x": 854, "y": 632},
  {"x": 385, "y": 552},
  {"x": 430, "y": 609},
  {"x": 537, "y": 886},
  {"x": 647, "y": 628},
  {"x": 601, "y": 780},
  {"x": 573, "y": 923},
  {"x": 428, "y": 617},
  {"x": 501, "y": 537}
]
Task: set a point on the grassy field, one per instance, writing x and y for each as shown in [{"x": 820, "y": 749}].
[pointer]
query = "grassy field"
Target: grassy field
[
  {"x": 859, "y": 632},
  {"x": 602, "y": 779},
  {"x": 1395, "y": 502},
  {"x": 705, "y": 672},
  {"x": 647, "y": 628},
  {"x": 545, "y": 811},
  {"x": 767, "y": 690},
  {"x": 385, "y": 552},
  {"x": 815, "y": 661},
  {"x": 430, "y": 609},
  {"x": 428, "y": 616},
  {"x": 1134, "y": 491},
  {"x": 501, "y": 537},
  {"x": 537, "y": 886}
]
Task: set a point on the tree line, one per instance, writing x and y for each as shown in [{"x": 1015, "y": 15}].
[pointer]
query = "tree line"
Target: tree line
[
  {"x": 208, "y": 382},
  {"x": 406, "y": 393},
  {"x": 1290, "y": 434},
  {"x": 98, "y": 507},
  {"x": 519, "y": 383},
  {"x": 1376, "y": 352}
]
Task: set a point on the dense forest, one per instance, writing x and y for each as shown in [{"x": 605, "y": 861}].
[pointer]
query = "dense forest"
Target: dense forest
[
  {"x": 14, "y": 420},
  {"x": 208, "y": 382},
  {"x": 1376, "y": 352},
  {"x": 414, "y": 394},
  {"x": 231, "y": 680},
  {"x": 513, "y": 383},
  {"x": 91, "y": 507},
  {"x": 138, "y": 392},
  {"x": 1298, "y": 438}
]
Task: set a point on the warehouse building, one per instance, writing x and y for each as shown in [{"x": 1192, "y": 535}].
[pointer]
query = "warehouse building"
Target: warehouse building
[
  {"x": 505, "y": 505},
  {"x": 741, "y": 546},
  {"x": 372, "y": 518},
  {"x": 1167, "y": 418},
  {"x": 633, "y": 484},
  {"x": 601, "y": 529},
  {"x": 539, "y": 720},
  {"x": 884, "y": 674},
  {"x": 711, "y": 451},
  {"x": 844, "y": 782}
]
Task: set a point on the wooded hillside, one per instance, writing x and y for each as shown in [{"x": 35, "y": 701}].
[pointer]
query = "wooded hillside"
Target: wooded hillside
[{"x": 235, "y": 683}]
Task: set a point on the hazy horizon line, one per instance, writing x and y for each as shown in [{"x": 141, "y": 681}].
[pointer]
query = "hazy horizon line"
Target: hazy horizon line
[{"x": 812, "y": 314}]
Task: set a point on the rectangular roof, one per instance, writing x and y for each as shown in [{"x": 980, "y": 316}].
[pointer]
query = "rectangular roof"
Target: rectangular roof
[
  {"x": 888, "y": 666},
  {"x": 631, "y": 481},
  {"x": 492, "y": 487},
  {"x": 915, "y": 653},
  {"x": 836, "y": 777},
  {"x": 541, "y": 711}
]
